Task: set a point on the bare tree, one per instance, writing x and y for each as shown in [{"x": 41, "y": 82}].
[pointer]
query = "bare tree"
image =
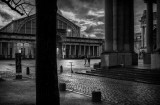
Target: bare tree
[{"x": 23, "y": 7}]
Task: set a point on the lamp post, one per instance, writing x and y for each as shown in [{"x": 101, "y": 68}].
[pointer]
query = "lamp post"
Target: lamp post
[{"x": 68, "y": 31}]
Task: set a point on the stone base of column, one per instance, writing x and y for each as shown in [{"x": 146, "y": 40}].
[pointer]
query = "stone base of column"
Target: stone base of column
[
  {"x": 155, "y": 61},
  {"x": 125, "y": 59},
  {"x": 147, "y": 58},
  {"x": 109, "y": 60}
]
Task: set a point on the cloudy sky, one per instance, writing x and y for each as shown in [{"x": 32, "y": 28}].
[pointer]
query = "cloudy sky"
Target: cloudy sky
[
  {"x": 88, "y": 14},
  {"x": 7, "y": 15}
]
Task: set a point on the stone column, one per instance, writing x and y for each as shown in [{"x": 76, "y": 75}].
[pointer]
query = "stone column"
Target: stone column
[
  {"x": 149, "y": 26},
  {"x": 134, "y": 57},
  {"x": 155, "y": 57},
  {"x": 65, "y": 46},
  {"x": 97, "y": 50},
  {"x": 84, "y": 50},
  {"x": 70, "y": 50},
  {"x": 120, "y": 25},
  {"x": 127, "y": 25},
  {"x": 93, "y": 50},
  {"x": 75, "y": 50},
  {"x": 158, "y": 25},
  {"x": 108, "y": 25},
  {"x": 79, "y": 50},
  {"x": 9, "y": 46},
  {"x": 89, "y": 51},
  {"x": 0, "y": 48},
  {"x": 115, "y": 25},
  {"x": 149, "y": 32}
]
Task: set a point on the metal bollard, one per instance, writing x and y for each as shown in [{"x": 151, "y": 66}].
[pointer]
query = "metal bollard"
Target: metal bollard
[
  {"x": 27, "y": 71},
  {"x": 61, "y": 69},
  {"x": 96, "y": 96},
  {"x": 62, "y": 86}
]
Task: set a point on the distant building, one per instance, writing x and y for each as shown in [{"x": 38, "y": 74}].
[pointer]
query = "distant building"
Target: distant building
[
  {"x": 19, "y": 36},
  {"x": 71, "y": 44},
  {"x": 143, "y": 31}
]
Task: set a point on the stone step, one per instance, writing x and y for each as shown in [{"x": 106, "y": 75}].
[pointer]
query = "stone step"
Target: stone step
[{"x": 125, "y": 75}]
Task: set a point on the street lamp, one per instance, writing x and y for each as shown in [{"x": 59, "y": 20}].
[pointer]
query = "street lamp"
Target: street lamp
[{"x": 68, "y": 30}]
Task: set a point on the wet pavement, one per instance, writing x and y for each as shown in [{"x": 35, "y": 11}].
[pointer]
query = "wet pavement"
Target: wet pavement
[{"x": 115, "y": 92}]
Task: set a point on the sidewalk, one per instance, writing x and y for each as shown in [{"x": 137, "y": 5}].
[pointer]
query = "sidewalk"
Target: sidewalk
[
  {"x": 73, "y": 98},
  {"x": 23, "y": 92}
]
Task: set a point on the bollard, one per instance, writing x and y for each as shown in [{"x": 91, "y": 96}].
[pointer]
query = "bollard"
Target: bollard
[
  {"x": 62, "y": 86},
  {"x": 96, "y": 96},
  {"x": 61, "y": 69},
  {"x": 27, "y": 71}
]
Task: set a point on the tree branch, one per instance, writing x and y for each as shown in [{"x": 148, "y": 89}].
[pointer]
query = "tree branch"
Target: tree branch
[
  {"x": 8, "y": 3},
  {"x": 19, "y": 6}
]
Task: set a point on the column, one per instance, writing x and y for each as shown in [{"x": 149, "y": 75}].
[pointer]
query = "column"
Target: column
[
  {"x": 108, "y": 25},
  {"x": 127, "y": 22},
  {"x": 0, "y": 48},
  {"x": 89, "y": 52},
  {"x": 131, "y": 26},
  {"x": 84, "y": 50},
  {"x": 93, "y": 50},
  {"x": 155, "y": 57},
  {"x": 69, "y": 50},
  {"x": 65, "y": 51},
  {"x": 79, "y": 50},
  {"x": 97, "y": 50},
  {"x": 149, "y": 26},
  {"x": 115, "y": 25},
  {"x": 120, "y": 25},
  {"x": 158, "y": 24},
  {"x": 75, "y": 50},
  {"x": 9, "y": 46}
]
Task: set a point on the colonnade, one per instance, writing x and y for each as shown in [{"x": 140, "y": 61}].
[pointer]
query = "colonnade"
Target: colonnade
[
  {"x": 8, "y": 49},
  {"x": 119, "y": 34},
  {"x": 80, "y": 50}
]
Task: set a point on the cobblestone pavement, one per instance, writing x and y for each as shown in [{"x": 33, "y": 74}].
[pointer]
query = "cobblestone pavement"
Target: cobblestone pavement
[
  {"x": 113, "y": 91},
  {"x": 116, "y": 92}
]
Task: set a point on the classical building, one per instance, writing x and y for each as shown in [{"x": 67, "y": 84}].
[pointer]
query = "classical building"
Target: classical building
[
  {"x": 70, "y": 43},
  {"x": 19, "y": 36}
]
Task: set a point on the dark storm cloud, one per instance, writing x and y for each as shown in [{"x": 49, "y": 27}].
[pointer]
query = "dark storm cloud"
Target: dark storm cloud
[
  {"x": 80, "y": 7},
  {"x": 5, "y": 15},
  {"x": 65, "y": 5},
  {"x": 97, "y": 28},
  {"x": 94, "y": 4},
  {"x": 99, "y": 35},
  {"x": 89, "y": 29},
  {"x": 102, "y": 19}
]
